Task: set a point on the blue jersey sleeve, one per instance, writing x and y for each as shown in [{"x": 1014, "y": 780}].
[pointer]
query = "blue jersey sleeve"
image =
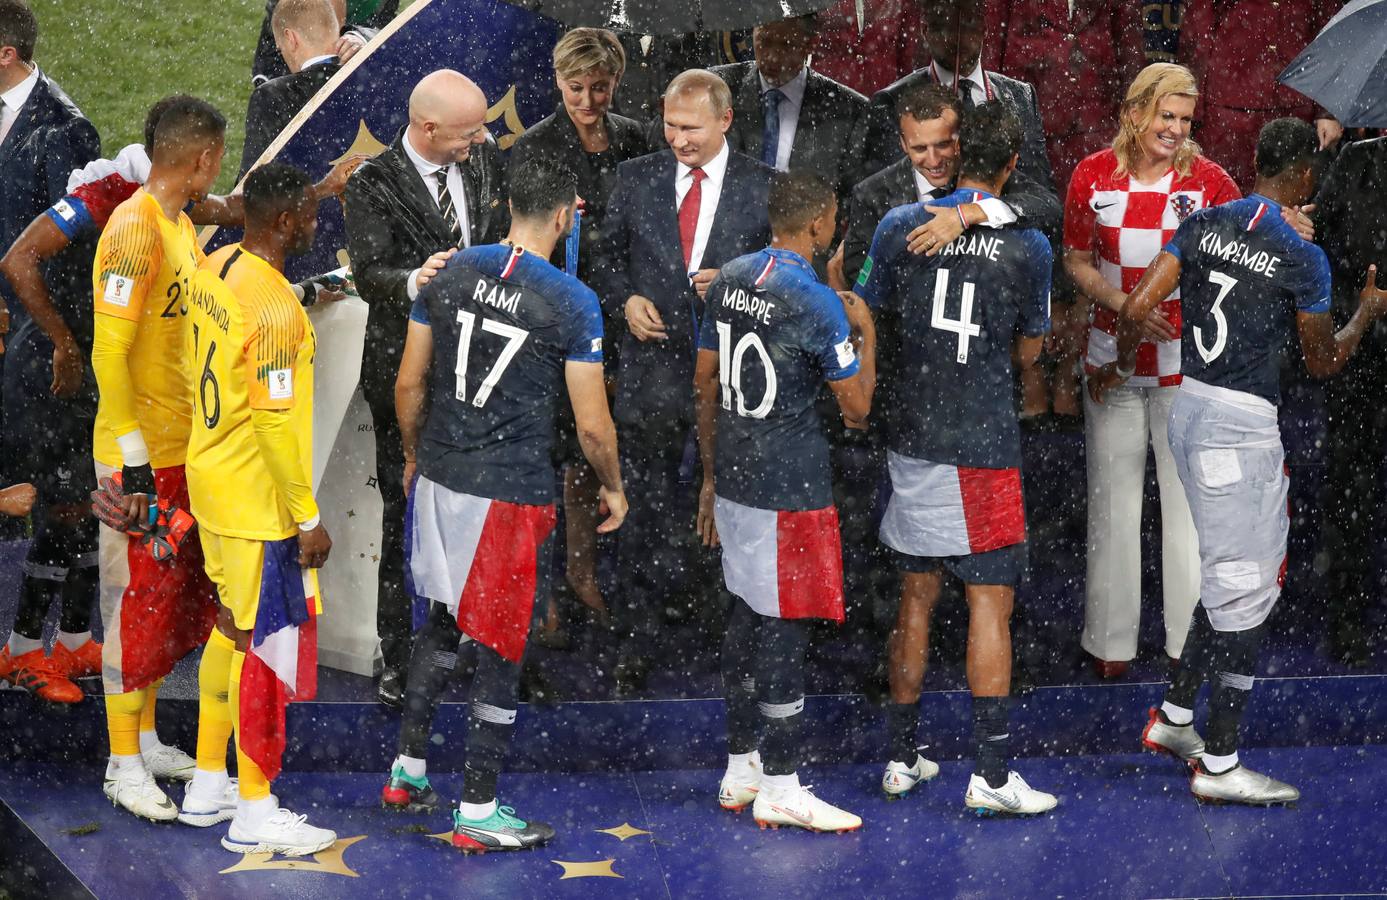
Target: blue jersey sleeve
[
  {"x": 71, "y": 216},
  {"x": 1312, "y": 293},
  {"x": 708, "y": 328},
  {"x": 1034, "y": 320},
  {"x": 419, "y": 312},
  {"x": 585, "y": 343},
  {"x": 876, "y": 282},
  {"x": 834, "y": 349}
]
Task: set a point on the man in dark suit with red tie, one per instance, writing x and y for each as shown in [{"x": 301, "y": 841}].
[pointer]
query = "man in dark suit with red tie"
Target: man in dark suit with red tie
[{"x": 673, "y": 220}]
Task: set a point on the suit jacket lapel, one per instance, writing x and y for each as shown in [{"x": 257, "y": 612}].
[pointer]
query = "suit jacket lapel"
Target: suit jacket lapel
[
  {"x": 24, "y": 121},
  {"x": 720, "y": 215},
  {"x": 664, "y": 210},
  {"x": 749, "y": 98},
  {"x": 418, "y": 196}
]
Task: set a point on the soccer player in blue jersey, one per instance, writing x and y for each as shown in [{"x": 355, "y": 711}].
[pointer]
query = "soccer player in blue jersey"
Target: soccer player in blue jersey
[
  {"x": 771, "y": 335},
  {"x": 493, "y": 341},
  {"x": 954, "y": 450},
  {"x": 1246, "y": 281}
]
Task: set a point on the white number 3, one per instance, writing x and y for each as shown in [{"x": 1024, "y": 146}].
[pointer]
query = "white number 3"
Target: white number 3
[{"x": 1225, "y": 284}]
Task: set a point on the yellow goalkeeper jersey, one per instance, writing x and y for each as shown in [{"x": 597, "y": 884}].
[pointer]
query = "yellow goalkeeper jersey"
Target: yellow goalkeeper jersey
[
  {"x": 144, "y": 261},
  {"x": 251, "y": 348}
]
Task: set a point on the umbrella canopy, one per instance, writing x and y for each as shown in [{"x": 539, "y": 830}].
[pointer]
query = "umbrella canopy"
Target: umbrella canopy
[
  {"x": 1345, "y": 67},
  {"x": 672, "y": 16}
]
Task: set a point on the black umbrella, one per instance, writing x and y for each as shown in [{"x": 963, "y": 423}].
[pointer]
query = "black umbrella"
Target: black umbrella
[
  {"x": 1345, "y": 67},
  {"x": 672, "y": 16}
]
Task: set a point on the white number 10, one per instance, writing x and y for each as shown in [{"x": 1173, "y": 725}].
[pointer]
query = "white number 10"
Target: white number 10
[
  {"x": 514, "y": 338},
  {"x": 730, "y": 371}
]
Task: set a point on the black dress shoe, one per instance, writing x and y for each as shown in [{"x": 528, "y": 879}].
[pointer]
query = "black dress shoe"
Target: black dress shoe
[{"x": 390, "y": 690}]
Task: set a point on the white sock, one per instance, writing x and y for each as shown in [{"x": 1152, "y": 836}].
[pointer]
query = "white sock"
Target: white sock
[
  {"x": 209, "y": 784},
  {"x": 118, "y": 764},
  {"x": 776, "y": 786},
  {"x": 414, "y": 768},
  {"x": 475, "y": 812},
  {"x": 739, "y": 765},
  {"x": 1177, "y": 715},
  {"x": 253, "y": 812},
  {"x": 149, "y": 741},
  {"x": 1217, "y": 765},
  {"x": 72, "y": 640},
  {"x": 20, "y": 645}
]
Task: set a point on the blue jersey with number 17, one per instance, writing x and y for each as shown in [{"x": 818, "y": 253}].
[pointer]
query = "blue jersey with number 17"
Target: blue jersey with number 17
[
  {"x": 1244, "y": 273},
  {"x": 779, "y": 333},
  {"x": 959, "y": 313},
  {"x": 504, "y": 323}
]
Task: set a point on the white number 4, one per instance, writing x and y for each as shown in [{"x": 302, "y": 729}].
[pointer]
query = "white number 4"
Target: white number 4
[
  {"x": 962, "y": 326},
  {"x": 514, "y": 338},
  {"x": 1225, "y": 284}
]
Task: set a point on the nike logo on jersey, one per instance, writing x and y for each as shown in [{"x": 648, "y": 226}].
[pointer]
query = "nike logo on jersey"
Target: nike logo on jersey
[{"x": 1099, "y": 207}]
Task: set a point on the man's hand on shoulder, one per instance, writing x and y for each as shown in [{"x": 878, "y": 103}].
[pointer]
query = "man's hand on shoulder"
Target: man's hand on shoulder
[
  {"x": 938, "y": 232},
  {"x": 348, "y": 45},
  {"x": 432, "y": 266}
]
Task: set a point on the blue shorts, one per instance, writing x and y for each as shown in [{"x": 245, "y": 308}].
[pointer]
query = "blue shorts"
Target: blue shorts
[{"x": 1003, "y": 566}]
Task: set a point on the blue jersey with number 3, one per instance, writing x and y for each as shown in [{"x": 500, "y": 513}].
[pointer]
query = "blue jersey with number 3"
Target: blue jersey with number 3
[
  {"x": 779, "y": 334},
  {"x": 504, "y": 323},
  {"x": 1244, "y": 273},
  {"x": 959, "y": 312}
]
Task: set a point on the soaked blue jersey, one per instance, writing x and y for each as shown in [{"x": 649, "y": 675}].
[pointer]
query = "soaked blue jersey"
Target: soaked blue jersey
[
  {"x": 1244, "y": 273},
  {"x": 504, "y": 323},
  {"x": 959, "y": 312},
  {"x": 779, "y": 333}
]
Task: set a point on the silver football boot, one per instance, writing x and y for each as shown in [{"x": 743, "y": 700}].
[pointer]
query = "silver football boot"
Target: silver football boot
[
  {"x": 1241, "y": 785},
  {"x": 1180, "y": 741}
]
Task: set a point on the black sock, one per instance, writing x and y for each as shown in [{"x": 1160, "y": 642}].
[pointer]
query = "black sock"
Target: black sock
[
  {"x": 780, "y": 740},
  {"x": 991, "y": 739},
  {"x": 79, "y": 592},
  {"x": 35, "y": 596},
  {"x": 739, "y": 646},
  {"x": 903, "y": 726},
  {"x": 430, "y": 669},
  {"x": 490, "y": 722}
]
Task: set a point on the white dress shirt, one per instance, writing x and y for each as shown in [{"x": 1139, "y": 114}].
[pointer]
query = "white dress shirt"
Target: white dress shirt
[
  {"x": 714, "y": 169},
  {"x": 789, "y": 114},
  {"x": 974, "y": 81},
  {"x": 457, "y": 190},
  {"x": 924, "y": 190},
  {"x": 12, "y": 100}
]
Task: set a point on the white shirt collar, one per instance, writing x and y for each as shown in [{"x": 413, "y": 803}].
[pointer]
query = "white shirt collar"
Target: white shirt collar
[
  {"x": 426, "y": 169},
  {"x": 922, "y": 186},
  {"x": 18, "y": 95},
  {"x": 326, "y": 57},
  {"x": 713, "y": 169},
  {"x": 792, "y": 89},
  {"x": 946, "y": 77}
]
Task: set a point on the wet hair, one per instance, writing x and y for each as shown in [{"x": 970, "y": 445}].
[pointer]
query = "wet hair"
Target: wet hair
[
  {"x": 272, "y": 190},
  {"x": 691, "y": 80},
  {"x": 809, "y": 22},
  {"x": 1285, "y": 144},
  {"x": 187, "y": 122},
  {"x": 18, "y": 28},
  {"x": 316, "y": 20},
  {"x": 797, "y": 198},
  {"x": 927, "y": 101},
  {"x": 1152, "y": 85},
  {"x": 156, "y": 112},
  {"x": 585, "y": 51},
  {"x": 538, "y": 187},
  {"x": 989, "y": 138}
]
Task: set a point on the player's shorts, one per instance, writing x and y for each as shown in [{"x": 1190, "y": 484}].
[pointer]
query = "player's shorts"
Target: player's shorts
[
  {"x": 956, "y": 517},
  {"x": 47, "y": 440},
  {"x": 482, "y": 559},
  {"x": 248, "y": 573},
  {"x": 1227, "y": 448},
  {"x": 153, "y": 613},
  {"x": 786, "y": 564}
]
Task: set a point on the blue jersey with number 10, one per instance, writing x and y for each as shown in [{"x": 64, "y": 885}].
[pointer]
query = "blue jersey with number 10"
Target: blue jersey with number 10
[
  {"x": 959, "y": 313},
  {"x": 1243, "y": 275},
  {"x": 504, "y": 322}
]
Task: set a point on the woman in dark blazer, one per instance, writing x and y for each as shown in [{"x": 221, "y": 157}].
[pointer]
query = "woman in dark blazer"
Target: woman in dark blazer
[{"x": 585, "y": 136}]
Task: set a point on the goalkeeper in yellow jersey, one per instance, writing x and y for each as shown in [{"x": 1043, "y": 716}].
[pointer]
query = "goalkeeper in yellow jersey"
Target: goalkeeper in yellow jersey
[
  {"x": 156, "y": 604},
  {"x": 250, "y": 461}
]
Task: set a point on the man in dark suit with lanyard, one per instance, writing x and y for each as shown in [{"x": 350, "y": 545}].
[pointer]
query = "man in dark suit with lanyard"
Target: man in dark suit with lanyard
[
  {"x": 438, "y": 186},
  {"x": 673, "y": 220},
  {"x": 955, "y": 32}
]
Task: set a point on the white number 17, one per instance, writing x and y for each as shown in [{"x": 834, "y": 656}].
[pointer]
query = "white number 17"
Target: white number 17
[{"x": 514, "y": 338}]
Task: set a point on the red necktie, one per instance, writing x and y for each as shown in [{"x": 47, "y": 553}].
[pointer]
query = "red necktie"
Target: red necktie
[{"x": 688, "y": 214}]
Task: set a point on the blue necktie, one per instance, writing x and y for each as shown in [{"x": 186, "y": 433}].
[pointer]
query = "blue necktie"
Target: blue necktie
[{"x": 770, "y": 131}]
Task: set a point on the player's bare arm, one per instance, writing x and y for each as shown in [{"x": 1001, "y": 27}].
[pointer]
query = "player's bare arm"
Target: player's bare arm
[
  {"x": 706, "y": 390},
  {"x": 411, "y": 392},
  {"x": 1327, "y": 352},
  {"x": 855, "y": 394},
  {"x": 22, "y": 266},
  {"x": 1082, "y": 267},
  {"x": 1159, "y": 280},
  {"x": 587, "y": 391}
]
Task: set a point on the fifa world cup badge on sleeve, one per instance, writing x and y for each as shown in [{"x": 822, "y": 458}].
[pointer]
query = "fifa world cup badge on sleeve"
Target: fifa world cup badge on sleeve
[{"x": 118, "y": 290}]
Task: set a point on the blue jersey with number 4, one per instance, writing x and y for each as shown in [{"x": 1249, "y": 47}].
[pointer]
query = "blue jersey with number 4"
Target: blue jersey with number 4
[
  {"x": 779, "y": 333},
  {"x": 959, "y": 313},
  {"x": 504, "y": 323},
  {"x": 1244, "y": 273}
]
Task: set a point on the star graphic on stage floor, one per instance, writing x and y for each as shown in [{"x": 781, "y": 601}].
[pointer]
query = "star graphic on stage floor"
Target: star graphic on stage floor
[{"x": 328, "y": 862}]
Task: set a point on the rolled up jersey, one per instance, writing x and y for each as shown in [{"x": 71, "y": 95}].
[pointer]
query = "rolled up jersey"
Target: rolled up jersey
[{"x": 95, "y": 190}]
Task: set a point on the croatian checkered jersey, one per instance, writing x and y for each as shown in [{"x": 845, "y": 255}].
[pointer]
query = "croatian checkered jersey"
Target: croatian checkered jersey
[
  {"x": 960, "y": 311},
  {"x": 779, "y": 333},
  {"x": 1244, "y": 273},
  {"x": 1125, "y": 224},
  {"x": 504, "y": 324}
]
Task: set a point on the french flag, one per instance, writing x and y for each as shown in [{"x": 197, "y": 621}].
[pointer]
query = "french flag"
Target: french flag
[
  {"x": 786, "y": 564},
  {"x": 282, "y": 664}
]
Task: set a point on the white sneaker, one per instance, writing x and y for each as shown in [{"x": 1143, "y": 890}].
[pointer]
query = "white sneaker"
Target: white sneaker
[
  {"x": 135, "y": 790},
  {"x": 801, "y": 809},
  {"x": 738, "y": 790},
  {"x": 1180, "y": 741},
  {"x": 280, "y": 832},
  {"x": 900, "y": 779},
  {"x": 202, "y": 810},
  {"x": 169, "y": 762},
  {"x": 1015, "y": 798},
  {"x": 1241, "y": 785}
]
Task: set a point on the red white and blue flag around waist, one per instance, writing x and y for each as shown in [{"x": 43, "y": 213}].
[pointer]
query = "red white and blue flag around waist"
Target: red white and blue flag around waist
[
  {"x": 786, "y": 564},
  {"x": 940, "y": 510},
  {"x": 282, "y": 663}
]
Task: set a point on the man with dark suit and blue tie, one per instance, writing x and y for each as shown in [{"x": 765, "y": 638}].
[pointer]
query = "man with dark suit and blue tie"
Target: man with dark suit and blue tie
[{"x": 673, "y": 220}]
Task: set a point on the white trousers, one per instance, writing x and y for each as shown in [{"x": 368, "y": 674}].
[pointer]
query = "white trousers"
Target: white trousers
[{"x": 1117, "y": 432}]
